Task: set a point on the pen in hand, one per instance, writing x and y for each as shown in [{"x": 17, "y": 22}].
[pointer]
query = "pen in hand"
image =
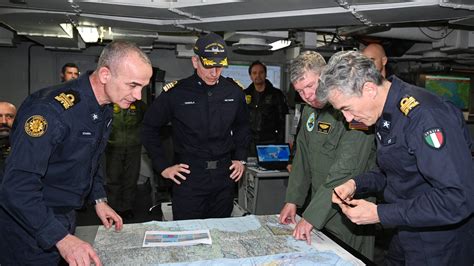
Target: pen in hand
[{"x": 343, "y": 201}]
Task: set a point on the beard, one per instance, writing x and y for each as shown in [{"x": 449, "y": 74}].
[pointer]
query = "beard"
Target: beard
[{"x": 4, "y": 130}]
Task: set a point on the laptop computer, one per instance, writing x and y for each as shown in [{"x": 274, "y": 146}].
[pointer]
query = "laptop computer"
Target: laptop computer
[{"x": 273, "y": 156}]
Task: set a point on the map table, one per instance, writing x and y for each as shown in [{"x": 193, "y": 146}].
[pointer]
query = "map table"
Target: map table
[{"x": 247, "y": 240}]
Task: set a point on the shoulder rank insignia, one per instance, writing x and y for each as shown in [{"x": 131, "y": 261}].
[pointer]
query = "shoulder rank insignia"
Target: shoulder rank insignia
[
  {"x": 324, "y": 127},
  {"x": 170, "y": 85},
  {"x": 67, "y": 99},
  {"x": 36, "y": 126},
  {"x": 407, "y": 104},
  {"x": 434, "y": 138}
]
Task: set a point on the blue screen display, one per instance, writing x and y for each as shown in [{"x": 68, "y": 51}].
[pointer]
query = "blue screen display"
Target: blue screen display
[{"x": 273, "y": 153}]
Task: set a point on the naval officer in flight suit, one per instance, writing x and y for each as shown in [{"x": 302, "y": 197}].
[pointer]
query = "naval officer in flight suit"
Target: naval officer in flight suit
[
  {"x": 57, "y": 139},
  {"x": 211, "y": 133},
  {"x": 424, "y": 156}
]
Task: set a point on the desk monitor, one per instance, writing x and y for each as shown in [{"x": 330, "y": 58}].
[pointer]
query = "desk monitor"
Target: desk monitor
[{"x": 273, "y": 156}]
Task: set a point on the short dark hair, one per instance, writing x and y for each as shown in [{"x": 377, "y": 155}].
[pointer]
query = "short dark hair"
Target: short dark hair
[
  {"x": 63, "y": 69},
  {"x": 257, "y": 62}
]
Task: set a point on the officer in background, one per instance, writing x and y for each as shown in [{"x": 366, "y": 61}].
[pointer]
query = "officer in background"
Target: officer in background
[
  {"x": 123, "y": 157},
  {"x": 69, "y": 71},
  {"x": 7, "y": 116},
  {"x": 267, "y": 106},
  {"x": 57, "y": 139},
  {"x": 424, "y": 156},
  {"x": 376, "y": 53},
  {"x": 210, "y": 128},
  {"x": 329, "y": 152}
]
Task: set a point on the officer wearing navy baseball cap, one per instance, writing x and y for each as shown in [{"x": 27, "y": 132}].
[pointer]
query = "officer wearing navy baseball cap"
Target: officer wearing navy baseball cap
[
  {"x": 211, "y": 50},
  {"x": 211, "y": 133}
]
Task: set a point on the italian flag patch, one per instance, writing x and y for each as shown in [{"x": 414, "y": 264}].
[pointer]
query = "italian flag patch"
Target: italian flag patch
[{"x": 434, "y": 138}]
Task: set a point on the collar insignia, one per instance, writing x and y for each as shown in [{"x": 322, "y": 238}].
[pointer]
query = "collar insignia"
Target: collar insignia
[
  {"x": 407, "y": 104},
  {"x": 324, "y": 127},
  {"x": 386, "y": 124},
  {"x": 36, "y": 126},
  {"x": 310, "y": 122}
]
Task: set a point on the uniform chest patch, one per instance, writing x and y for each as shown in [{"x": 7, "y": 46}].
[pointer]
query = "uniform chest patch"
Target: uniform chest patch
[
  {"x": 434, "y": 138},
  {"x": 310, "y": 122},
  {"x": 248, "y": 99},
  {"x": 36, "y": 126},
  {"x": 324, "y": 127}
]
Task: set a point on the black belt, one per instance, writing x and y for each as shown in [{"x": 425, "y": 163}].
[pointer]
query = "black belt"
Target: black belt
[{"x": 207, "y": 163}]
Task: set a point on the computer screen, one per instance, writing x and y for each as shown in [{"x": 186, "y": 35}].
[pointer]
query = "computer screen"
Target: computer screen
[{"x": 273, "y": 153}]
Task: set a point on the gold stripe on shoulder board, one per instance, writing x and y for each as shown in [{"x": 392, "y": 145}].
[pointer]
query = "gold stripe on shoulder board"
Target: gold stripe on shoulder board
[{"x": 170, "y": 85}]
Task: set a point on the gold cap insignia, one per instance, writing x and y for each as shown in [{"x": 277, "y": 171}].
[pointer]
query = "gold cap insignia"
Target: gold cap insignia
[
  {"x": 67, "y": 100},
  {"x": 170, "y": 85},
  {"x": 407, "y": 104},
  {"x": 36, "y": 126}
]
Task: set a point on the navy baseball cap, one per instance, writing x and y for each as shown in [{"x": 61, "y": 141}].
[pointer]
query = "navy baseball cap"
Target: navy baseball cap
[{"x": 211, "y": 50}]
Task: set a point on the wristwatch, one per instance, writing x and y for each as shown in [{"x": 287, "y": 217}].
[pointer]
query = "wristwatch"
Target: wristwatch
[
  {"x": 243, "y": 162},
  {"x": 97, "y": 201}
]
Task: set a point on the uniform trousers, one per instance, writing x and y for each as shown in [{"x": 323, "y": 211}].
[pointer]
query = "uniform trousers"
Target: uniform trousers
[
  {"x": 446, "y": 245},
  {"x": 206, "y": 193}
]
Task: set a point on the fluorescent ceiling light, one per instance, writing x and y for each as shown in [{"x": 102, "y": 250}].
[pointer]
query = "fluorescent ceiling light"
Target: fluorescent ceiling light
[
  {"x": 280, "y": 44},
  {"x": 88, "y": 34},
  {"x": 68, "y": 29}
]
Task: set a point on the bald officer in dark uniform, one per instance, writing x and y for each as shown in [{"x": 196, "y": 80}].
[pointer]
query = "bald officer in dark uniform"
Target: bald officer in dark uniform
[
  {"x": 210, "y": 127},
  {"x": 57, "y": 138},
  {"x": 426, "y": 169}
]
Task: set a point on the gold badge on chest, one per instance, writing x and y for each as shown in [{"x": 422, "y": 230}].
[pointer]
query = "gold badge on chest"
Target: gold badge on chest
[{"x": 324, "y": 127}]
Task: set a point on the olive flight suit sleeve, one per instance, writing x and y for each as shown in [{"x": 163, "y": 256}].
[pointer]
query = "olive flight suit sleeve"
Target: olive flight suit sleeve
[
  {"x": 353, "y": 149},
  {"x": 36, "y": 133},
  {"x": 299, "y": 181}
]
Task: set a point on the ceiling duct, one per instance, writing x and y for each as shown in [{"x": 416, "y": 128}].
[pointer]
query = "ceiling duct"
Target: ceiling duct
[{"x": 251, "y": 44}]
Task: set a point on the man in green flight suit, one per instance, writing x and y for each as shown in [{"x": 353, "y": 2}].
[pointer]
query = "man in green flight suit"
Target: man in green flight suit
[
  {"x": 329, "y": 152},
  {"x": 123, "y": 156}
]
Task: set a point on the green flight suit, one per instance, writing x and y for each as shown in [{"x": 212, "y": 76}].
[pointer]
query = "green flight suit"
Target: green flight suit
[
  {"x": 328, "y": 154},
  {"x": 123, "y": 156}
]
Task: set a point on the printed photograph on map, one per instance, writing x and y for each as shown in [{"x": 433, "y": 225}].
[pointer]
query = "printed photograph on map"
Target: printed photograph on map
[{"x": 180, "y": 238}]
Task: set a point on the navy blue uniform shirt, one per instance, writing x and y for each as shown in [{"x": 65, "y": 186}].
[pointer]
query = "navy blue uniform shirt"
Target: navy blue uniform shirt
[
  {"x": 426, "y": 174},
  {"x": 208, "y": 121},
  {"x": 58, "y": 136},
  {"x": 425, "y": 157}
]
